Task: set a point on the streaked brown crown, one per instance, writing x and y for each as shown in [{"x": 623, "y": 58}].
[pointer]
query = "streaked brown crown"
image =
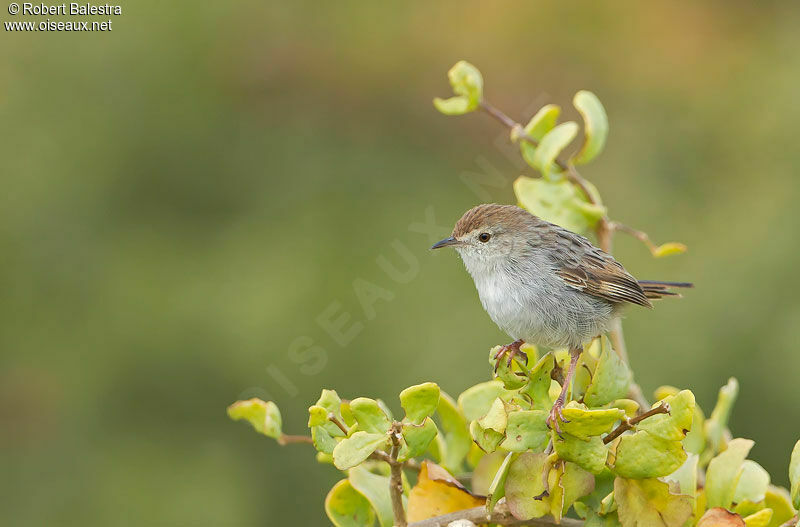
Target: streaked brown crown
[{"x": 491, "y": 214}]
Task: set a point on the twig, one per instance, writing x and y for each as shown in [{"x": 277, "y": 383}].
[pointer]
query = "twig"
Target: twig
[
  {"x": 335, "y": 420},
  {"x": 286, "y": 439},
  {"x": 478, "y": 515},
  {"x": 396, "y": 479},
  {"x": 627, "y": 424}
]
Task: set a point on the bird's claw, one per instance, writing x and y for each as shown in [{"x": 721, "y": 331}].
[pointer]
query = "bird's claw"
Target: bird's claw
[
  {"x": 510, "y": 351},
  {"x": 555, "y": 416}
]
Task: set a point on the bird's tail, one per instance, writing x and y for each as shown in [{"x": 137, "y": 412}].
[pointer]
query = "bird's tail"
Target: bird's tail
[{"x": 656, "y": 289}]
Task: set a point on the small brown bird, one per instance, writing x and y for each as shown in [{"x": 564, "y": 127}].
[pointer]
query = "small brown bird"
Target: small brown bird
[{"x": 543, "y": 284}]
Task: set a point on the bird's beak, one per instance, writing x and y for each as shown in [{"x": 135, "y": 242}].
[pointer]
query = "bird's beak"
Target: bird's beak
[{"x": 447, "y": 242}]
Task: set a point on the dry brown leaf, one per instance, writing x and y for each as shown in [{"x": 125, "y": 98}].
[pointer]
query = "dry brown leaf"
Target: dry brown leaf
[{"x": 719, "y": 517}]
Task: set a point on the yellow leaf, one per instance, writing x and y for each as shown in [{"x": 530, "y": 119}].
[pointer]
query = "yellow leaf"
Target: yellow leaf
[
  {"x": 668, "y": 249},
  {"x": 436, "y": 493}
]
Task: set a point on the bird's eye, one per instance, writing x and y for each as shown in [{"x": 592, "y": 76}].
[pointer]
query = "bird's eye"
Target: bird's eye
[{"x": 484, "y": 237}]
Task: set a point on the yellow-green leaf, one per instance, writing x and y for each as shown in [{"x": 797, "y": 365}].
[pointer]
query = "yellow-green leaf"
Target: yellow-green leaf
[
  {"x": 724, "y": 472},
  {"x": 497, "y": 489},
  {"x": 753, "y": 483},
  {"x": 474, "y": 402},
  {"x": 264, "y": 416},
  {"x": 369, "y": 416},
  {"x": 486, "y": 438},
  {"x": 559, "y": 202},
  {"x": 346, "y": 507},
  {"x": 526, "y": 430},
  {"x": 611, "y": 379},
  {"x": 467, "y": 84},
  {"x": 584, "y": 423},
  {"x": 455, "y": 433},
  {"x": 417, "y": 438},
  {"x": 538, "y": 387},
  {"x": 524, "y": 484},
  {"x": 496, "y": 418},
  {"x": 677, "y": 423},
  {"x": 589, "y": 454},
  {"x": 668, "y": 249},
  {"x": 420, "y": 401},
  {"x": 567, "y": 482},
  {"x": 317, "y": 416},
  {"x": 649, "y": 503},
  {"x": 794, "y": 475},
  {"x": 551, "y": 146},
  {"x": 595, "y": 127},
  {"x": 779, "y": 500},
  {"x": 375, "y": 488},
  {"x": 759, "y": 519},
  {"x": 356, "y": 448},
  {"x": 642, "y": 455}
]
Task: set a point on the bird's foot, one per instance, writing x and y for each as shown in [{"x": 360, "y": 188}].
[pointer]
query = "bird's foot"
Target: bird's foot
[
  {"x": 510, "y": 351},
  {"x": 555, "y": 416}
]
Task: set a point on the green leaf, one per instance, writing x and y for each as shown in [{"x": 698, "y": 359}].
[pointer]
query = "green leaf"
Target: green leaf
[
  {"x": 686, "y": 476},
  {"x": 369, "y": 416},
  {"x": 420, "y": 401},
  {"x": 643, "y": 455},
  {"x": 595, "y": 129},
  {"x": 496, "y": 418},
  {"x": 346, "y": 507},
  {"x": 724, "y": 471},
  {"x": 264, "y": 416},
  {"x": 753, "y": 483},
  {"x": 558, "y": 202},
  {"x": 375, "y": 488},
  {"x": 649, "y": 503},
  {"x": 551, "y": 146},
  {"x": 474, "y": 402},
  {"x": 538, "y": 387},
  {"x": 455, "y": 432},
  {"x": 486, "y": 438},
  {"x": 589, "y": 454},
  {"x": 526, "y": 430},
  {"x": 317, "y": 416},
  {"x": 544, "y": 121},
  {"x": 568, "y": 482},
  {"x": 456, "y": 105},
  {"x": 485, "y": 471},
  {"x": 611, "y": 379},
  {"x": 510, "y": 374},
  {"x": 794, "y": 475},
  {"x": 467, "y": 84},
  {"x": 330, "y": 401},
  {"x": 674, "y": 425},
  {"x": 717, "y": 423},
  {"x": 541, "y": 123},
  {"x": 497, "y": 489},
  {"x": 584, "y": 423},
  {"x": 524, "y": 484},
  {"x": 417, "y": 438},
  {"x": 347, "y": 414},
  {"x": 355, "y": 449},
  {"x": 323, "y": 441}
]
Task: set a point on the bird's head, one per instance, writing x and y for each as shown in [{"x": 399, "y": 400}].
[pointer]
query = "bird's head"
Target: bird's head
[{"x": 491, "y": 234}]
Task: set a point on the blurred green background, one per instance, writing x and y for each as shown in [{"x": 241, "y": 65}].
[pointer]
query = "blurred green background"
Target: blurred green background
[{"x": 185, "y": 195}]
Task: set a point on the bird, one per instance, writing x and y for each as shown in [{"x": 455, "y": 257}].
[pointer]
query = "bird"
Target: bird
[{"x": 545, "y": 285}]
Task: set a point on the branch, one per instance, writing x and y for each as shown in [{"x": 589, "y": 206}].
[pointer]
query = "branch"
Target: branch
[
  {"x": 396, "y": 479},
  {"x": 627, "y": 424},
  {"x": 478, "y": 515}
]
